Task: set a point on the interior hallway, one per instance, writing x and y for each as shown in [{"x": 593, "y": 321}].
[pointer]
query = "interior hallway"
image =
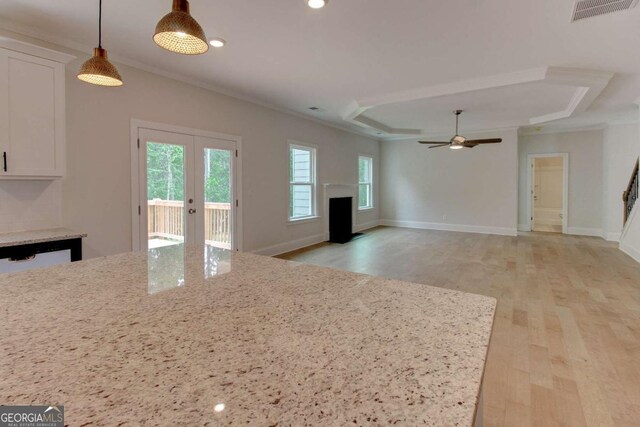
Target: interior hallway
[{"x": 566, "y": 340}]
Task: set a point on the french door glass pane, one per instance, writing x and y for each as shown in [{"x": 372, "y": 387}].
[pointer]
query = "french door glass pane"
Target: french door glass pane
[
  {"x": 165, "y": 194},
  {"x": 300, "y": 197},
  {"x": 217, "y": 197}
]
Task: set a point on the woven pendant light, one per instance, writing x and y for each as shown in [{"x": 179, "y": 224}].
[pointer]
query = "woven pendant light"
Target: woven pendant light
[
  {"x": 98, "y": 70},
  {"x": 178, "y": 32}
]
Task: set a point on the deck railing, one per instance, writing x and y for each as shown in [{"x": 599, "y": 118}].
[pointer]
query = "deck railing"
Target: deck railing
[
  {"x": 166, "y": 221},
  {"x": 630, "y": 196}
]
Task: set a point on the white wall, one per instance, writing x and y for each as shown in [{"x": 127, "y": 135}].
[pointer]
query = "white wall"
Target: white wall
[
  {"x": 30, "y": 205},
  {"x": 467, "y": 190},
  {"x": 585, "y": 176},
  {"x": 620, "y": 151},
  {"x": 96, "y": 189},
  {"x": 95, "y": 198}
]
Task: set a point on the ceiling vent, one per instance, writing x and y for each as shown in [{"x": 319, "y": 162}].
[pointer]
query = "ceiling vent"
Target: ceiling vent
[{"x": 590, "y": 8}]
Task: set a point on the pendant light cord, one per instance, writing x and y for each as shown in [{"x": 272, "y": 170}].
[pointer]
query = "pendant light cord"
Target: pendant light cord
[{"x": 100, "y": 26}]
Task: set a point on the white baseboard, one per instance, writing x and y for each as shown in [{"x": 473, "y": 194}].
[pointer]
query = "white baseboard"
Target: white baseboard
[
  {"x": 581, "y": 231},
  {"x": 524, "y": 227},
  {"x": 285, "y": 247},
  {"x": 502, "y": 231},
  {"x": 632, "y": 252},
  {"x": 366, "y": 226},
  {"x": 293, "y": 245},
  {"x": 611, "y": 236}
]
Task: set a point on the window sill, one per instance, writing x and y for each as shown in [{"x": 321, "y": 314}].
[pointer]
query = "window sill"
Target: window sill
[
  {"x": 370, "y": 208},
  {"x": 302, "y": 220}
]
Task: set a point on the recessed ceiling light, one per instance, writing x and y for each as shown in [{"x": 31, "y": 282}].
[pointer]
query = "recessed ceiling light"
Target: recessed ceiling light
[
  {"x": 317, "y": 4},
  {"x": 217, "y": 42}
]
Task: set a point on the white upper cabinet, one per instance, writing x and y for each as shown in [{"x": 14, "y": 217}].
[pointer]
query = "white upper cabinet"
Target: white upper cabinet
[{"x": 32, "y": 111}]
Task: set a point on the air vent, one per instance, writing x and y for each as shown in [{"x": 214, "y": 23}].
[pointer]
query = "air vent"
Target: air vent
[{"x": 590, "y": 8}]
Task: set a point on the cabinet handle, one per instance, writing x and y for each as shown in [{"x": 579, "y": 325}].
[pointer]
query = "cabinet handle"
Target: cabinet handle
[{"x": 4, "y": 160}]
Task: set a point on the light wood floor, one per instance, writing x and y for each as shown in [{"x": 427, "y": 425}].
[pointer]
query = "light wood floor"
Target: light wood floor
[{"x": 565, "y": 348}]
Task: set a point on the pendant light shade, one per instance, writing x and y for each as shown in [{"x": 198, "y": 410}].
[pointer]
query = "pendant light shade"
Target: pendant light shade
[
  {"x": 178, "y": 32},
  {"x": 98, "y": 70}
]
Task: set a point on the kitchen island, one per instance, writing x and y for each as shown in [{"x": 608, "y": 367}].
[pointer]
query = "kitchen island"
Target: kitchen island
[{"x": 203, "y": 336}]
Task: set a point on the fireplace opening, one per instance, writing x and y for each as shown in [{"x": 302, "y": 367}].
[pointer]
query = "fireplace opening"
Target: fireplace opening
[{"x": 341, "y": 220}]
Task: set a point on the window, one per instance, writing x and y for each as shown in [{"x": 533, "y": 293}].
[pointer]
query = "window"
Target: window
[
  {"x": 302, "y": 182},
  {"x": 365, "y": 180}
]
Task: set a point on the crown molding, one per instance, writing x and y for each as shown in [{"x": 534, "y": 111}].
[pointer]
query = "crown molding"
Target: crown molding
[
  {"x": 18, "y": 32},
  {"x": 393, "y": 138},
  {"x": 588, "y": 85}
]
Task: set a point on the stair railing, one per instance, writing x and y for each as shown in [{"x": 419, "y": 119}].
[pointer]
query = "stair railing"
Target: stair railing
[{"x": 630, "y": 196}]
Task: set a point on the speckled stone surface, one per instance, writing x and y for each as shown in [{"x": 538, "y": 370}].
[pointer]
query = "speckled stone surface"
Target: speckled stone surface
[
  {"x": 167, "y": 337},
  {"x": 38, "y": 236}
]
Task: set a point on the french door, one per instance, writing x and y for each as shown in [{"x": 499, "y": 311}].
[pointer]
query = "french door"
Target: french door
[{"x": 187, "y": 190}]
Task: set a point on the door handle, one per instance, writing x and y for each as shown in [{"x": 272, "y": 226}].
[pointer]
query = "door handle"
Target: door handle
[
  {"x": 191, "y": 211},
  {"x": 4, "y": 159}
]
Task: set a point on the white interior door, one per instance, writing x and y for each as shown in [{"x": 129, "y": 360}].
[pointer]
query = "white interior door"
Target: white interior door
[
  {"x": 548, "y": 191},
  {"x": 187, "y": 190}
]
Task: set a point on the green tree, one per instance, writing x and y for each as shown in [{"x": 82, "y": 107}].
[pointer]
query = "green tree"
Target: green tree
[{"x": 165, "y": 173}]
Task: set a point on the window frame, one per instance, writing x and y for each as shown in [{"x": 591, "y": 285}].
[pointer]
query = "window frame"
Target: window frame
[
  {"x": 313, "y": 150},
  {"x": 371, "y": 204}
]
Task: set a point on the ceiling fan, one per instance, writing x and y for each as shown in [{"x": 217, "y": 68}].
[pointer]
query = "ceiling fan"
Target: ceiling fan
[{"x": 459, "y": 141}]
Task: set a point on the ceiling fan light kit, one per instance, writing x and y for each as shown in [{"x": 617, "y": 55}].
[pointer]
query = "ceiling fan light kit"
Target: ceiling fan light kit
[
  {"x": 178, "y": 32},
  {"x": 98, "y": 70},
  {"x": 458, "y": 141}
]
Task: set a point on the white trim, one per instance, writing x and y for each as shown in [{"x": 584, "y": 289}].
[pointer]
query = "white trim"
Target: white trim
[
  {"x": 293, "y": 245},
  {"x": 34, "y": 50},
  {"x": 624, "y": 246},
  {"x": 40, "y": 36},
  {"x": 136, "y": 126},
  {"x": 303, "y": 220},
  {"x": 480, "y": 229},
  {"x": 630, "y": 219},
  {"x": 532, "y": 130},
  {"x": 366, "y": 225},
  {"x": 372, "y": 200},
  {"x": 588, "y": 85},
  {"x": 524, "y": 227},
  {"x": 565, "y": 188},
  {"x": 313, "y": 148},
  {"x": 611, "y": 236},
  {"x": 632, "y": 252},
  {"x": 582, "y": 231},
  {"x": 434, "y": 135},
  {"x": 340, "y": 190}
]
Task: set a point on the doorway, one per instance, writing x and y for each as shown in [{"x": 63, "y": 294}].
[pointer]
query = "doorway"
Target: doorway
[
  {"x": 187, "y": 190},
  {"x": 548, "y": 189}
]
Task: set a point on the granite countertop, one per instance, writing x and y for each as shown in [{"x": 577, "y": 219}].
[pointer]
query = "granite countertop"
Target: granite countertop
[
  {"x": 38, "y": 236},
  {"x": 204, "y": 336}
]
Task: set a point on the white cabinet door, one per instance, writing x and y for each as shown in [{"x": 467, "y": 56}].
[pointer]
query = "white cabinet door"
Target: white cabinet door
[{"x": 31, "y": 116}]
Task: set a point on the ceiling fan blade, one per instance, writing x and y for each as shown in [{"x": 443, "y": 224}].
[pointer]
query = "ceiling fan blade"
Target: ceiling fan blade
[
  {"x": 433, "y": 142},
  {"x": 483, "y": 141},
  {"x": 440, "y": 145}
]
